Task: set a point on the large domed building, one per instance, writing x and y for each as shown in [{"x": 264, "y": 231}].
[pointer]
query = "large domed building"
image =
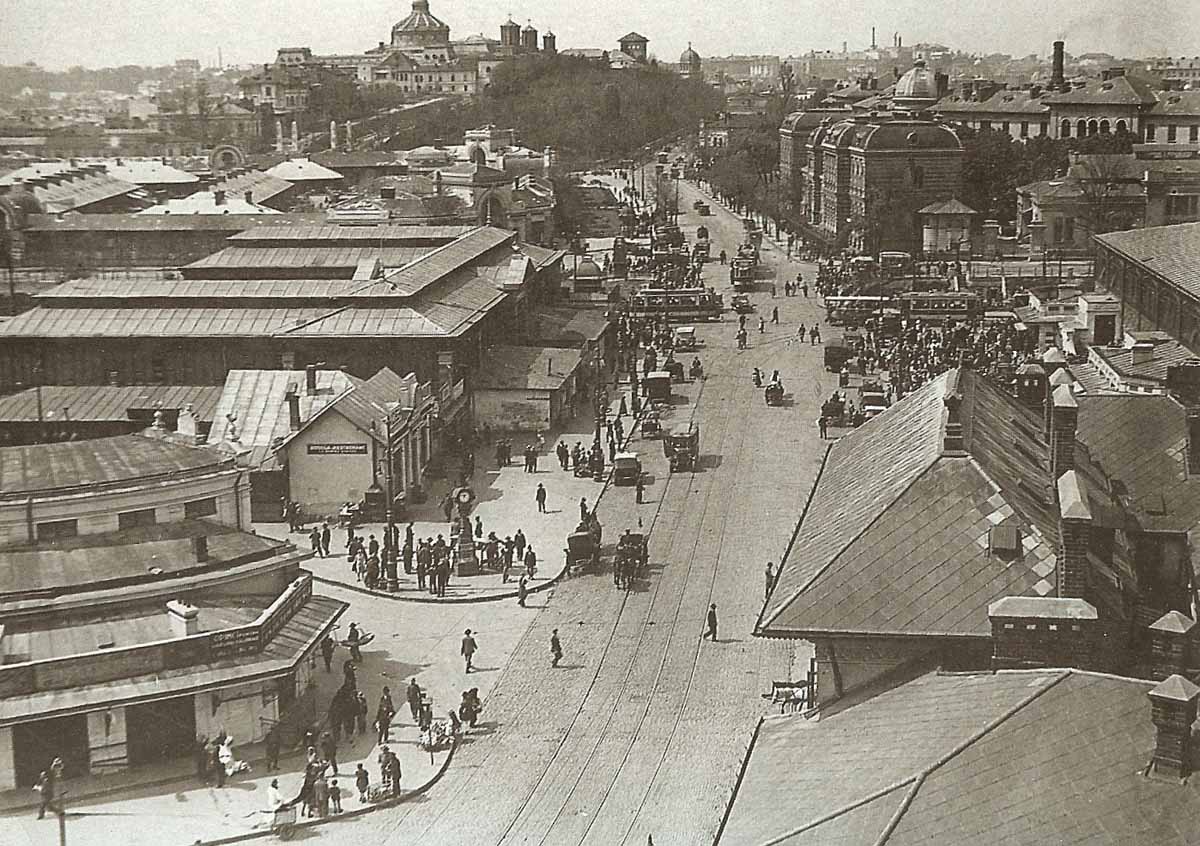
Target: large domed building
[
  {"x": 866, "y": 176},
  {"x": 690, "y": 64},
  {"x": 420, "y": 30}
]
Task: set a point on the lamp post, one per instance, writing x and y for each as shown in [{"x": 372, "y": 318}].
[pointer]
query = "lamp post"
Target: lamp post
[{"x": 389, "y": 546}]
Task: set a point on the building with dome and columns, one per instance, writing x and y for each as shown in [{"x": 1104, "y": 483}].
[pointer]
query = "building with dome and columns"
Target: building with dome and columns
[
  {"x": 690, "y": 65},
  {"x": 867, "y": 176}
]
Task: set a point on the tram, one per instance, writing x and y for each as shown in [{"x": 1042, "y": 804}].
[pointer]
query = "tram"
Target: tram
[
  {"x": 941, "y": 306},
  {"x": 682, "y": 305},
  {"x": 855, "y": 309}
]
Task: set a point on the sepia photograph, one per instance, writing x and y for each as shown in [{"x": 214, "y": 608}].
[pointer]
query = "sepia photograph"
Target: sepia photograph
[{"x": 661, "y": 423}]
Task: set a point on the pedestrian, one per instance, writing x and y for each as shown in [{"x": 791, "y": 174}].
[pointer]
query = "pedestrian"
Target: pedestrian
[
  {"x": 540, "y": 496},
  {"x": 384, "y": 714},
  {"x": 272, "y": 750},
  {"x": 762, "y": 324},
  {"x": 321, "y": 795},
  {"x": 315, "y": 540},
  {"x": 394, "y": 773},
  {"x": 775, "y": 315},
  {"x": 772, "y": 290},
  {"x": 556, "y": 650},
  {"x": 327, "y": 647},
  {"x": 362, "y": 782},
  {"x": 329, "y": 750},
  {"x": 478, "y": 526},
  {"x": 712, "y": 623},
  {"x": 770, "y": 579},
  {"x": 274, "y": 798},
  {"x": 469, "y": 648},
  {"x": 199, "y": 756},
  {"x": 214, "y": 762},
  {"x": 352, "y": 639},
  {"x": 361, "y": 709},
  {"x": 583, "y": 509},
  {"x": 823, "y": 425},
  {"x": 622, "y": 410},
  {"x": 530, "y": 561},
  {"x": 640, "y": 488},
  {"x": 335, "y": 796},
  {"x": 804, "y": 288},
  {"x": 325, "y": 535},
  {"x": 413, "y": 695},
  {"x": 522, "y": 590}
]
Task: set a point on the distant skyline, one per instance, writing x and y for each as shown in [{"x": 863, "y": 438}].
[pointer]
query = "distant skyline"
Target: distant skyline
[{"x": 101, "y": 33}]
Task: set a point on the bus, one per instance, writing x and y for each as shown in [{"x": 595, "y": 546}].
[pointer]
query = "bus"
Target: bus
[
  {"x": 855, "y": 309},
  {"x": 941, "y": 306},
  {"x": 682, "y": 305}
]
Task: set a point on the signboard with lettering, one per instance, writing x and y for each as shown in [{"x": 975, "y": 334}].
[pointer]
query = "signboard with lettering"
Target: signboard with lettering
[
  {"x": 232, "y": 642},
  {"x": 337, "y": 449}
]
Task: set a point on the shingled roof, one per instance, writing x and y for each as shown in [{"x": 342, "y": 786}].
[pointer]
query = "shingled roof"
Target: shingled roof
[{"x": 896, "y": 536}]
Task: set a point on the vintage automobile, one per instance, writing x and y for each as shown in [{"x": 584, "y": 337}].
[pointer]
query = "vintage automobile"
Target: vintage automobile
[
  {"x": 741, "y": 304},
  {"x": 837, "y": 353},
  {"x": 681, "y": 446},
  {"x": 583, "y": 545},
  {"x": 657, "y": 386},
  {"x": 705, "y": 210},
  {"x": 651, "y": 426},
  {"x": 685, "y": 337},
  {"x": 627, "y": 468}
]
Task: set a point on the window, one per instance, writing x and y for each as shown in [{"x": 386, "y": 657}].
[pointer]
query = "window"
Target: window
[
  {"x": 1171, "y": 133},
  {"x": 1183, "y": 205},
  {"x": 133, "y": 519},
  {"x": 1024, "y": 129},
  {"x": 1194, "y": 133},
  {"x": 1150, "y": 129},
  {"x": 1064, "y": 130},
  {"x": 1007, "y": 128},
  {"x": 269, "y": 91},
  {"x": 206, "y": 507},
  {"x": 1043, "y": 129},
  {"x": 57, "y": 530}
]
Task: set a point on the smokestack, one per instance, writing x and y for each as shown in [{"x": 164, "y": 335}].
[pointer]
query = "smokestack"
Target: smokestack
[
  {"x": 1058, "y": 78},
  {"x": 872, "y": 38}
]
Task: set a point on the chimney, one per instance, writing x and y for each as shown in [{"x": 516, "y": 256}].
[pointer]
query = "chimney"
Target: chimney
[
  {"x": 219, "y": 197},
  {"x": 248, "y": 196},
  {"x": 293, "y": 401},
  {"x": 1074, "y": 527},
  {"x": 310, "y": 380},
  {"x": 1057, "y": 378},
  {"x": 1058, "y": 77},
  {"x": 1172, "y": 710},
  {"x": 952, "y": 433},
  {"x": 1063, "y": 418},
  {"x": 387, "y": 192},
  {"x": 200, "y": 548},
  {"x": 1169, "y": 638},
  {"x": 183, "y": 617},
  {"x": 1142, "y": 352},
  {"x": 1029, "y": 632}
]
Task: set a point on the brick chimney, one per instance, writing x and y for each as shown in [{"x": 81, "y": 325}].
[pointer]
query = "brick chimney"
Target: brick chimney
[
  {"x": 1170, "y": 636},
  {"x": 1031, "y": 384},
  {"x": 183, "y": 617},
  {"x": 293, "y": 402},
  {"x": 1064, "y": 417},
  {"x": 1058, "y": 77},
  {"x": 1172, "y": 710},
  {"x": 219, "y": 197},
  {"x": 1074, "y": 527},
  {"x": 1029, "y": 632},
  {"x": 248, "y": 196},
  {"x": 310, "y": 380},
  {"x": 1142, "y": 352},
  {"x": 1058, "y": 377}
]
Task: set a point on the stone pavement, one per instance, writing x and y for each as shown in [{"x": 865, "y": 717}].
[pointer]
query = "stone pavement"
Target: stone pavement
[
  {"x": 505, "y": 503},
  {"x": 642, "y": 730}
]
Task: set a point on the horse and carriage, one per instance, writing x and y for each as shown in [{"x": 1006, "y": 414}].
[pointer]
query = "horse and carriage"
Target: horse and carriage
[{"x": 633, "y": 558}]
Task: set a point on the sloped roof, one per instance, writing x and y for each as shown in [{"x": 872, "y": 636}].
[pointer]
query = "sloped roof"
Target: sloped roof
[
  {"x": 633, "y": 36},
  {"x": 1118, "y": 91},
  {"x": 1172, "y": 252},
  {"x": 565, "y": 325},
  {"x": 106, "y": 403},
  {"x": 1167, "y": 354},
  {"x": 526, "y": 368},
  {"x": 148, "y": 172},
  {"x": 896, "y": 537},
  {"x": 1016, "y": 758},
  {"x": 208, "y": 202},
  {"x": 951, "y": 206},
  {"x": 261, "y": 185},
  {"x": 303, "y": 170},
  {"x": 443, "y": 260}
]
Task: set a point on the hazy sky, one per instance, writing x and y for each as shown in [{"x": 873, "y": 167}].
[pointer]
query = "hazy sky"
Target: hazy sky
[{"x": 94, "y": 33}]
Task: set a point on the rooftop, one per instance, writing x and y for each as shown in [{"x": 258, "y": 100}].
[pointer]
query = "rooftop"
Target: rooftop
[
  {"x": 1166, "y": 355},
  {"x": 527, "y": 368},
  {"x": 303, "y": 170},
  {"x": 1011, "y": 758},
  {"x": 61, "y": 467},
  {"x": 216, "y": 201},
  {"x": 1171, "y": 252},
  {"x": 106, "y": 403}
]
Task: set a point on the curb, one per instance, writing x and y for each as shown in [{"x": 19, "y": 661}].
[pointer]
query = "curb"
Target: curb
[{"x": 345, "y": 815}]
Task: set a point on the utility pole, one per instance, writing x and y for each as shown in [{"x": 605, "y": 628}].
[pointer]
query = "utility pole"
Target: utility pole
[{"x": 393, "y": 581}]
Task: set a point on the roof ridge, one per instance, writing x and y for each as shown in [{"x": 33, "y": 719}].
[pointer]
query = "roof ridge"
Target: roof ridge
[
  {"x": 890, "y": 829},
  {"x": 842, "y": 811}
]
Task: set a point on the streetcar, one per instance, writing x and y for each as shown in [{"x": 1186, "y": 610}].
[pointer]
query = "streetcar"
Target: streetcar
[
  {"x": 855, "y": 309},
  {"x": 941, "y": 306},
  {"x": 741, "y": 274},
  {"x": 683, "y": 305}
]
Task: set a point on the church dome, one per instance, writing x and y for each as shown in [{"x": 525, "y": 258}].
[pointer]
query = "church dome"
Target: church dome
[
  {"x": 588, "y": 269},
  {"x": 689, "y": 56},
  {"x": 420, "y": 28},
  {"x": 916, "y": 90}
]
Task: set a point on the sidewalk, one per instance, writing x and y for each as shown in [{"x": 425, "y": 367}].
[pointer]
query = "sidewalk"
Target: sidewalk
[{"x": 505, "y": 503}]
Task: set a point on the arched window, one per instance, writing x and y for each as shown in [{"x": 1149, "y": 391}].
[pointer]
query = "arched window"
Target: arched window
[
  {"x": 1104, "y": 127},
  {"x": 1064, "y": 131},
  {"x": 1122, "y": 126},
  {"x": 918, "y": 176},
  {"x": 1081, "y": 128},
  {"x": 1093, "y": 127}
]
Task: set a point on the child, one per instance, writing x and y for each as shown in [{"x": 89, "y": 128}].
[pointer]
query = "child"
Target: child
[
  {"x": 335, "y": 796},
  {"x": 362, "y": 782}
]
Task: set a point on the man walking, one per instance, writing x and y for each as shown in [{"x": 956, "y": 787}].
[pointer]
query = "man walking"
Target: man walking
[
  {"x": 556, "y": 652},
  {"x": 384, "y": 714},
  {"x": 540, "y": 496},
  {"x": 770, "y": 577},
  {"x": 325, "y": 540},
  {"x": 469, "y": 648},
  {"x": 327, "y": 647},
  {"x": 413, "y": 694},
  {"x": 775, "y": 315},
  {"x": 823, "y": 425},
  {"x": 712, "y": 623},
  {"x": 640, "y": 488},
  {"x": 522, "y": 590}
]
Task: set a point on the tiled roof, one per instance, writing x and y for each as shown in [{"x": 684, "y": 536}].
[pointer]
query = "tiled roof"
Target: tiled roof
[
  {"x": 442, "y": 261},
  {"x": 1119, "y": 91},
  {"x": 1006, "y": 102},
  {"x": 1167, "y": 354},
  {"x": 526, "y": 368},
  {"x": 99, "y": 461},
  {"x": 1172, "y": 252},
  {"x": 861, "y": 758},
  {"x": 901, "y": 542},
  {"x": 951, "y": 206},
  {"x": 107, "y": 403},
  {"x": 1177, "y": 103}
]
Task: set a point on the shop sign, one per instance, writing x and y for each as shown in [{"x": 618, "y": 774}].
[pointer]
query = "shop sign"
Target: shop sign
[{"x": 337, "y": 449}]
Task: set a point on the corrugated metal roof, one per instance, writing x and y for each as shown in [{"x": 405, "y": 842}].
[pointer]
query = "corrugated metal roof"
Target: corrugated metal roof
[
  {"x": 71, "y": 464},
  {"x": 1172, "y": 252},
  {"x": 445, "y": 260},
  {"x": 387, "y": 234},
  {"x": 125, "y": 289},
  {"x": 261, "y": 185},
  {"x": 155, "y": 322},
  {"x": 104, "y": 403},
  {"x": 249, "y": 258},
  {"x": 234, "y": 223}
]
